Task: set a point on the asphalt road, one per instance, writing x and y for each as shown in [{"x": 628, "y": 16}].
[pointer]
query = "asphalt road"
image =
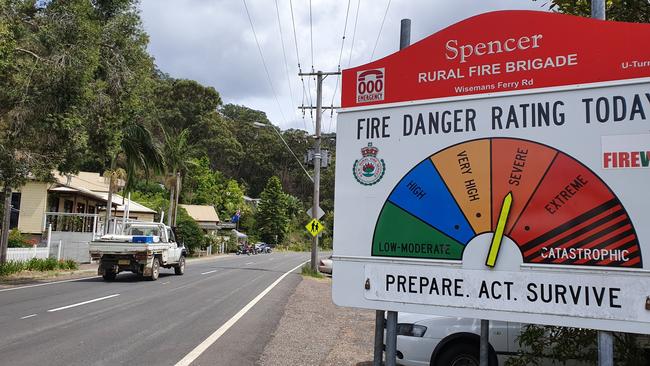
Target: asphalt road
[{"x": 132, "y": 321}]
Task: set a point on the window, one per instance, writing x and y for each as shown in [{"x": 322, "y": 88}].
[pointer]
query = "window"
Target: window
[{"x": 15, "y": 210}]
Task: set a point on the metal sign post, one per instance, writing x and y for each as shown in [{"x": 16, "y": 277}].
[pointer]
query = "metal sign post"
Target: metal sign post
[
  {"x": 485, "y": 342},
  {"x": 605, "y": 339}
]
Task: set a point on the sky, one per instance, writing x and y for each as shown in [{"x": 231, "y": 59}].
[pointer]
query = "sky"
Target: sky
[{"x": 213, "y": 42}]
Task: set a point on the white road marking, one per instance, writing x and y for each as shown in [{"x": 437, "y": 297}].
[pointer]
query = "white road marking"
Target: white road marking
[
  {"x": 208, "y": 272},
  {"x": 196, "y": 352},
  {"x": 249, "y": 263},
  {"x": 164, "y": 283},
  {"x": 83, "y": 303},
  {"x": 45, "y": 284},
  {"x": 28, "y": 316}
]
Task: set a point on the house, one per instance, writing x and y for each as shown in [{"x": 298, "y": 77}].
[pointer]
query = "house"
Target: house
[
  {"x": 70, "y": 203},
  {"x": 205, "y": 216},
  {"x": 254, "y": 202}
]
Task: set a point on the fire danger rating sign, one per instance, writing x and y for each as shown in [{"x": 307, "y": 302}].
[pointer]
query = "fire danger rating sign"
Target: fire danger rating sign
[
  {"x": 314, "y": 227},
  {"x": 498, "y": 170}
]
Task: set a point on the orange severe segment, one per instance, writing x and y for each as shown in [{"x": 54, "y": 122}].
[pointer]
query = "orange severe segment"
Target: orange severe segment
[
  {"x": 508, "y": 175},
  {"x": 465, "y": 169}
]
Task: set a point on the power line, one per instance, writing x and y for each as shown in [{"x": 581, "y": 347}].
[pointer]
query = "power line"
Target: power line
[
  {"x": 354, "y": 32},
  {"x": 284, "y": 54},
  {"x": 302, "y": 80},
  {"x": 338, "y": 77},
  {"x": 380, "y": 28},
  {"x": 268, "y": 74},
  {"x": 311, "y": 45}
]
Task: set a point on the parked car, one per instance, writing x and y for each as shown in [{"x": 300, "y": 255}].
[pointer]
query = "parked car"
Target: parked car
[
  {"x": 325, "y": 265},
  {"x": 424, "y": 340},
  {"x": 445, "y": 341}
]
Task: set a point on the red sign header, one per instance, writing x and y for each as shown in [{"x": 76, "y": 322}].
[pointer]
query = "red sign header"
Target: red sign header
[{"x": 503, "y": 51}]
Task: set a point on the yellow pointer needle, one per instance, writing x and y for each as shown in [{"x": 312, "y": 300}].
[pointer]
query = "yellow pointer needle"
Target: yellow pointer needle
[{"x": 498, "y": 234}]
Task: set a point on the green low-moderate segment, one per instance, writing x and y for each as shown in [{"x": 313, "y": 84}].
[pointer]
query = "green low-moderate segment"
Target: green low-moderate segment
[{"x": 400, "y": 234}]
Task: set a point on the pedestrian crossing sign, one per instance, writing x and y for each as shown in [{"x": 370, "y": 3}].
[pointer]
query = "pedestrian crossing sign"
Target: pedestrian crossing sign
[{"x": 314, "y": 227}]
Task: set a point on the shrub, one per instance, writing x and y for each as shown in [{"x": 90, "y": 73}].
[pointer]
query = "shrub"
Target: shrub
[
  {"x": 37, "y": 265},
  {"x": 17, "y": 240},
  {"x": 307, "y": 271},
  {"x": 10, "y": 268},
  {"x": 68, "y": 264},
  {"x": 188, "y": 231}
]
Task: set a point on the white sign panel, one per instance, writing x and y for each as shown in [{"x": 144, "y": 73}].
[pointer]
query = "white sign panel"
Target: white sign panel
[{"x": 521, "y": 205}]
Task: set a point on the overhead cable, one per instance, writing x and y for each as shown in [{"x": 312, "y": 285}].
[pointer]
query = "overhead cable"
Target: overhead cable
[
  {"x": 380, "y": 28},
  {"x": 268, "y": 75},
  {"x": 295, "y": 41},
  {"x": 354, "y": 32},
  {"x": 338, "y": 77},
  {"x": 284, "y": 54}
]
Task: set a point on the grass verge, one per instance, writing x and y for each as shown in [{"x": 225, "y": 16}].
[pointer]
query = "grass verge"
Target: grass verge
[{"x": 307, "y": 271}]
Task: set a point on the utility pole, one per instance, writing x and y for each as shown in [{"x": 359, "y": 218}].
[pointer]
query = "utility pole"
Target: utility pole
[
  {"x": 4, "y": 238},
  {"x": 320, "y": 76}
]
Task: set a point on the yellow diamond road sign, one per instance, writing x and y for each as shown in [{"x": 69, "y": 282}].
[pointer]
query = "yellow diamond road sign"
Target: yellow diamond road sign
[{"x": 314, "y": 227}]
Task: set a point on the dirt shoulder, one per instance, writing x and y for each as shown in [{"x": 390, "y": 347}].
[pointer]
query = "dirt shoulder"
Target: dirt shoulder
[{"x": 314, "y": 331}]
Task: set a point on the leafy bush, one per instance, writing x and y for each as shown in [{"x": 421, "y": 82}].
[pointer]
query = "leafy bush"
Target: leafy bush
[
  {"x": 17, "y": 240},
  {"x": 307, "y": 271},
  {"x": 37, "y": 265},
  {"x": 188, "y": 231},
  {"x": 563, "y": 344},
  {"x": 10, "y": 267}
]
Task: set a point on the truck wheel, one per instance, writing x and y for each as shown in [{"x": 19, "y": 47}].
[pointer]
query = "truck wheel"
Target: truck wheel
[
  {"x": 179, "y": 269},
  {"x": 109, "y": 276},
  {"x": 155, "y": 269}
]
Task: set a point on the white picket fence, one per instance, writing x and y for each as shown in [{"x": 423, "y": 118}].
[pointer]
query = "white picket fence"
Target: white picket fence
[{"x": 25, "y": 254}]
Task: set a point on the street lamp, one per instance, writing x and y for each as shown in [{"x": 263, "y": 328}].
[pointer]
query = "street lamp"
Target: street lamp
[{"x": 260, "y": 124}]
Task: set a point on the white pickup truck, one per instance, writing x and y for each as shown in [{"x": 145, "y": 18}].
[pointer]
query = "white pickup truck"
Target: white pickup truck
[{"x": 143, "y": 248}]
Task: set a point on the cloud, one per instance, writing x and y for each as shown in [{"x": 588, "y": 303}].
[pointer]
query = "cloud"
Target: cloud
[{"x": 212, "y": 42}]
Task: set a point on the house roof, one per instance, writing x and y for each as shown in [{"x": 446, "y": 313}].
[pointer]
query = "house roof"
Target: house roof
[
  {"x": 94, "y": 185},
  {"x": 119, "y": 200},
  {"x": 202, "y": 213},
  {"x": 85, "y": 180},
  {"x": 82, "y": 192}
]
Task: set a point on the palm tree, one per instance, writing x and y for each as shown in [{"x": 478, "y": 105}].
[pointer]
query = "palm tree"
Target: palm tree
[
  {"x": 137, "y": 151},
  {"x": 177, "y": 154}
]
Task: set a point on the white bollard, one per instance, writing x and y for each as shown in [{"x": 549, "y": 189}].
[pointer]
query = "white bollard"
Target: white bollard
[
  {"x": 49, "y": 239},
  {"x": 58, "y": 255}
]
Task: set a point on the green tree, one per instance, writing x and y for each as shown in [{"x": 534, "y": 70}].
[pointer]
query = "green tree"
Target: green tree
[
  {"x": 272, "y": 219},
  {"x": 637, "y": 11},
  {"x": 48, "y": 57},
  {"x": 188, "y": 231},
  {"x": 178, "y": 154}
]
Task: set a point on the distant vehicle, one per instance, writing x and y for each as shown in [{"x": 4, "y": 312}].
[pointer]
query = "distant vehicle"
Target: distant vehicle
[
  {"x": 143, "y": 248},
  {"x": 244, "y": 249},
  {"x": 262, "y": 247},
  {"x": 325, "y": 265}
]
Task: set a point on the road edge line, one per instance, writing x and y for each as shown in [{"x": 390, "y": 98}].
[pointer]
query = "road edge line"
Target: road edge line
[{"x": 203, "y": 346}]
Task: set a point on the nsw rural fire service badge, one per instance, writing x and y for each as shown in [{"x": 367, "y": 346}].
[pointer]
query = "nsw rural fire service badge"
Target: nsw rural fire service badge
[{"x": 369, "y": 170}]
